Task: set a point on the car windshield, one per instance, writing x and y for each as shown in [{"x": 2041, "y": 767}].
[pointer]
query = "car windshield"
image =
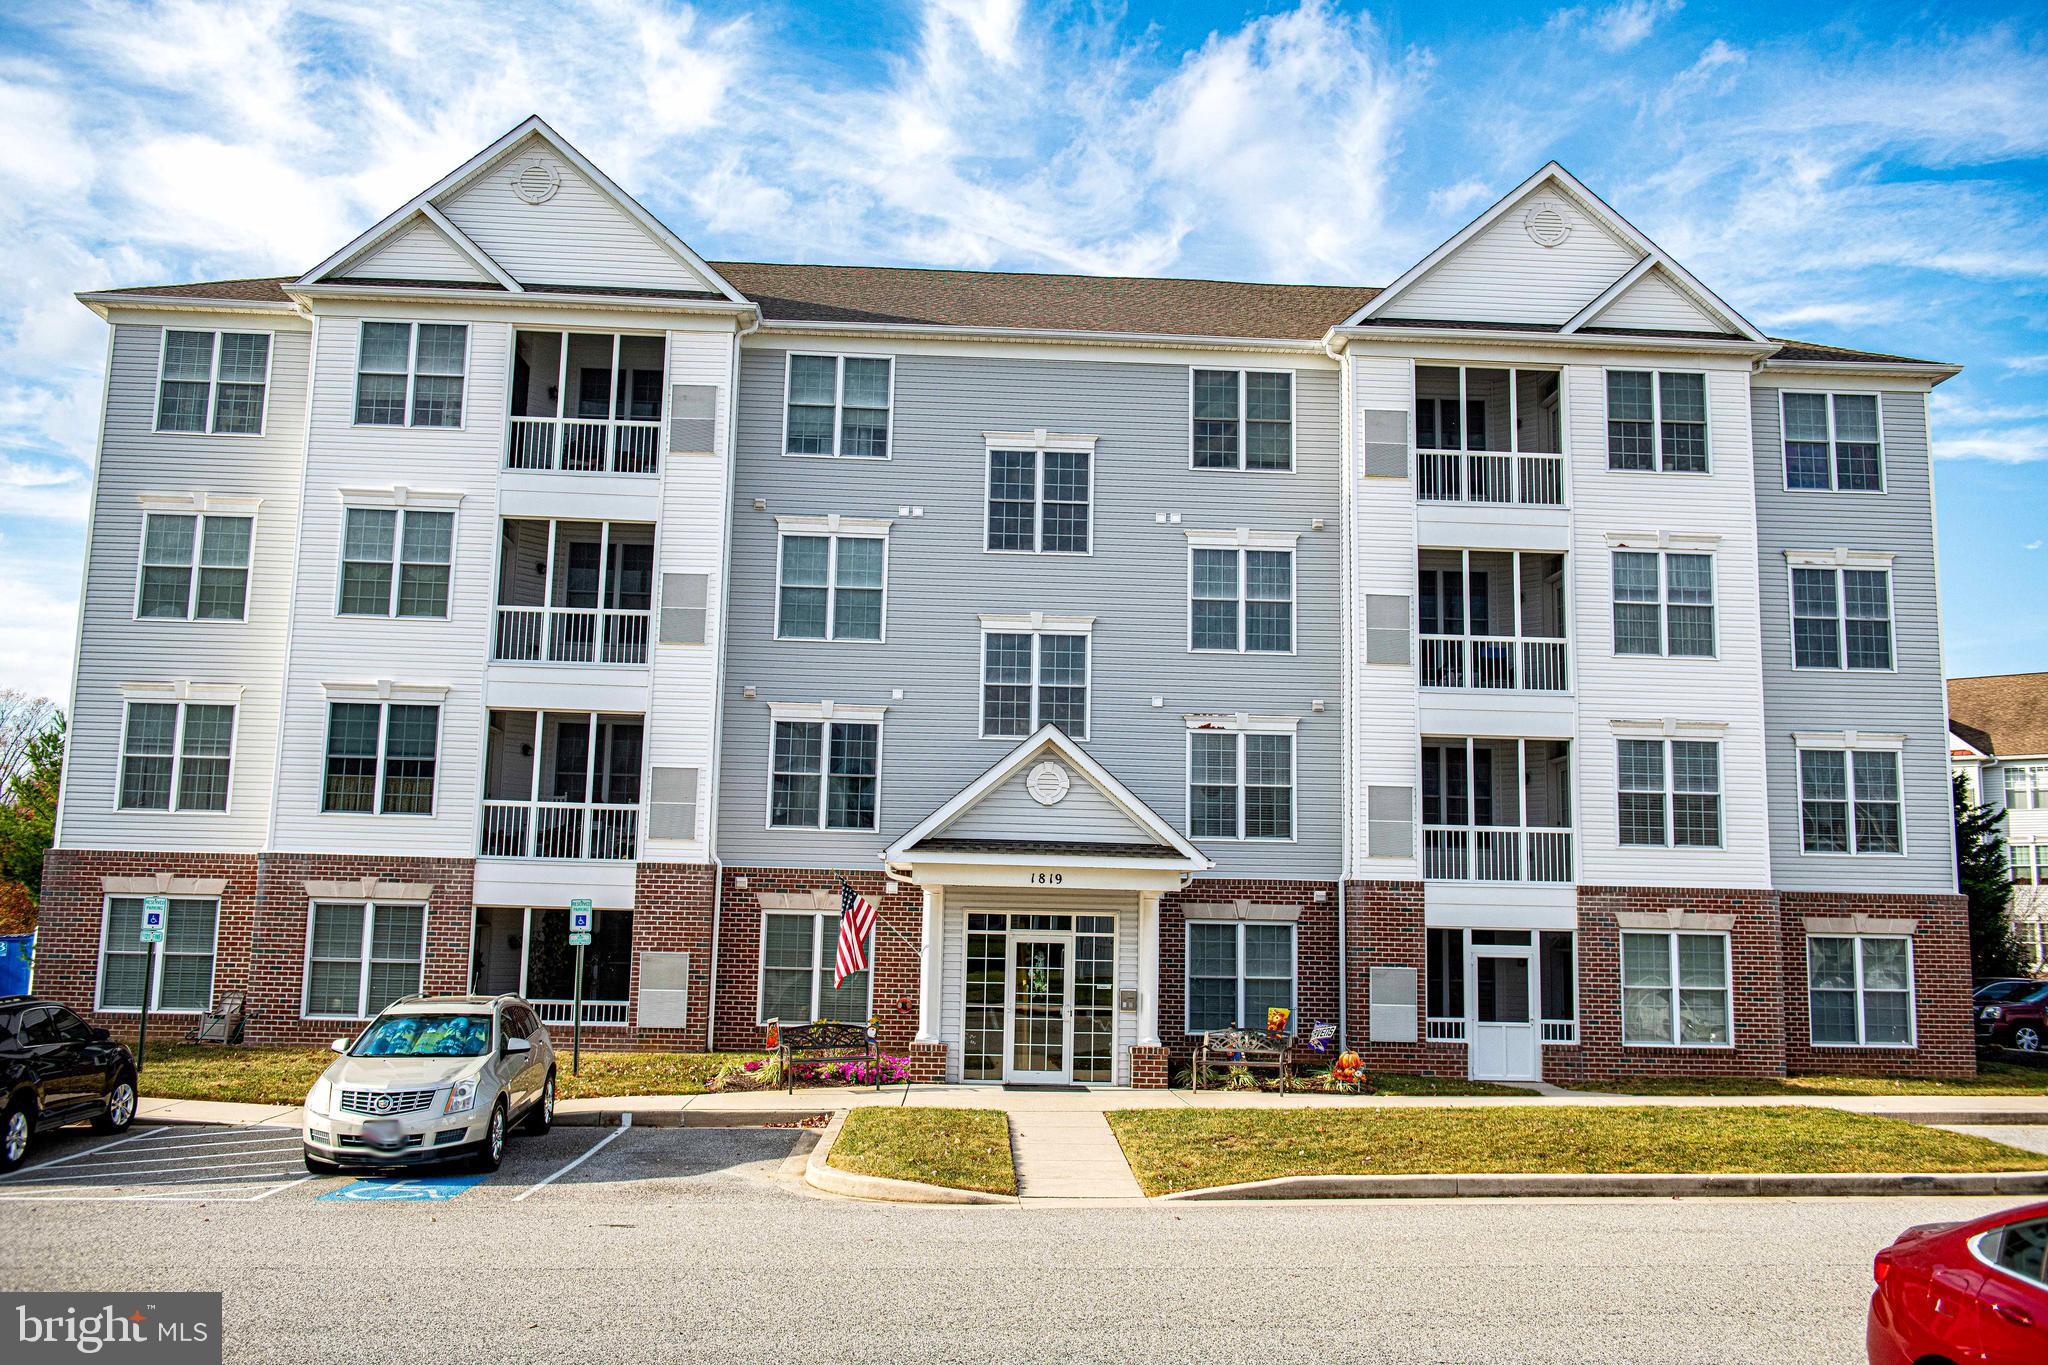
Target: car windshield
[
  {"x": 2003, "y": 990},
  {"x": 425, "y": 1035}
]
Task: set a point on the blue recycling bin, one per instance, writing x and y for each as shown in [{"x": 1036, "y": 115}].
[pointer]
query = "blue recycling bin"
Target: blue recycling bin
[{"x": 17, "y": 963}]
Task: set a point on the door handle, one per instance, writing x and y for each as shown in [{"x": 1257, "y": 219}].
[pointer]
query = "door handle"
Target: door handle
[{"x": 2012, "y": 1313}]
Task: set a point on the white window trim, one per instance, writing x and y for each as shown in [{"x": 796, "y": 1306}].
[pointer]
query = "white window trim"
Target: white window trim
[
  {"x": 1293, "y": 417},
  {"x": 832, "y": 529},
  {"x": 163, "y": 346},
  {"x": 1838, "y": 561},
  {"x": 821, "y": 963},
  {"x": 364, "y": 958},
  {"x": 1849, "y": 743},
  {"x": 1036, "y": 443},
  {"x": 2036, "y": 784},
  {"x": 200, "y": 508},
  {"x": 1656, "y": 420},
  {"x": 2035, "y": 861},
  {"x": 1727, "y": 988},
  {"x": 1671, "y": 792},
  {"x": 1241, "y": 540},
  {"x": 181, "y": 698},
  {"x": 839, "y": 359},
  {"x": 1912, "y": 996},
  {"x": 829, "y": 714},
  {"x": 404, "y": 506},
  {"x": 1240, "y": 726},
  {"x": 1834, "y": 471},
  {"x": 1036, "y": 624},
  {"x": 1662, "y": 553},
  {"x": 1187, "y": 974},
  {"x": 153, "y": 984},
  {"x": 383, "y": 701},
  {"x": 412, "y": 373}
]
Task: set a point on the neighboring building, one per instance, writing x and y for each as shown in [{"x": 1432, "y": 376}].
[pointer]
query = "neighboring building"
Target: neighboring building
[
  {"x": 2000, "y": 730},
  {"x": 1529, "y": 666}
]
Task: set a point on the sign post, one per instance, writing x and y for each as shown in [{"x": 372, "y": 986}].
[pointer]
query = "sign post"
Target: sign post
[
  {"x": 155, "y": 909},
  {"x": 579, "y": 938}
]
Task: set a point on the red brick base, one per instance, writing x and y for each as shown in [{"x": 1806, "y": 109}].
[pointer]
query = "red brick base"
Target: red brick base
[
  {"x": 926, "y": 1062},
  {"x": 1148, "y": 1068}
]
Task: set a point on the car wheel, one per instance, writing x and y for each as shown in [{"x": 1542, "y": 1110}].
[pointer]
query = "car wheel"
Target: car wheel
[
  {"x": 120, "y": 1107},
  {"x": 492, "y": 1154},
  {"x": 17, "y": 1130},
  {"x": 543, "y": 1116},
  {"x": 2027, "y": 1038},
  {"x": 316, "y": 1166}
]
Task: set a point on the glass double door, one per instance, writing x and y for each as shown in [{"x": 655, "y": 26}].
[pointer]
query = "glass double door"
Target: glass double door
[{"x": 1041, "y": 1016}]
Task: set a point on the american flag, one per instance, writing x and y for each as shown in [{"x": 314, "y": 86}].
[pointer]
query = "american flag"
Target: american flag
[{"x": 856, "y": 919}]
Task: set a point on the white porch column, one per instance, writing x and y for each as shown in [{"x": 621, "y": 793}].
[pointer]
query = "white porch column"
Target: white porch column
[
  {"x": 928, "y": 967},
  {"x": 1148, "y": 969}
]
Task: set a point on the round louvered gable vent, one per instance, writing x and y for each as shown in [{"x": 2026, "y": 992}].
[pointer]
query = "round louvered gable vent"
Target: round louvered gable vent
[
  {"x": 536, "y": 182},
  {"x": 1547, "y": 226}
]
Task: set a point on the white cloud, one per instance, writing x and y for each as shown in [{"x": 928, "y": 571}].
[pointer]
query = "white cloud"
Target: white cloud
[
  {"x": 37, "y": 629},
  {"x": 1617, "y": 27},
  {"x": 2032, "y": 545}
]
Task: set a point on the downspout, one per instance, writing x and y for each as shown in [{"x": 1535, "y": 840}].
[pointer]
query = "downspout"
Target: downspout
[
  {"x": 732, "y": 440},
  {"x": 1344, "y": 548}
]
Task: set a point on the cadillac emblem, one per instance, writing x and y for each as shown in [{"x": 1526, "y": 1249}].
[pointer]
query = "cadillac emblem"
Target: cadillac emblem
[{"x": 382, "y": 1104}]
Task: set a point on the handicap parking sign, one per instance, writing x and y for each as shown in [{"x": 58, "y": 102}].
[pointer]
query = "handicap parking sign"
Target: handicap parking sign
[
  {"x": 431, "y": 1189},
  {"x": 579, "y": 923},
  {"x": 154, "y": 908}
]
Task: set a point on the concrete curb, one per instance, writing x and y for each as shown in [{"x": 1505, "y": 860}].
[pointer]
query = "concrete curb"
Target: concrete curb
[
  {"x": 1620, "y": 1186},
  {"x": 682, "y": 1118},
  {"x": 818, "y": 1174}
]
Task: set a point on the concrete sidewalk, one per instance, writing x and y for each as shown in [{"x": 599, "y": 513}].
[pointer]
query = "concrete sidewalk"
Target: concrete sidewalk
[{"x": 1069, "y": 1154}]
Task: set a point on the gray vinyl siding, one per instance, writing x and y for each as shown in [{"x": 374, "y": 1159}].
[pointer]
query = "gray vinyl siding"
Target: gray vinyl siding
[
  {"x": 1911, "y": 700},
  {"x": 115, "y": 648},
  {"x": 940, "y": 580}
]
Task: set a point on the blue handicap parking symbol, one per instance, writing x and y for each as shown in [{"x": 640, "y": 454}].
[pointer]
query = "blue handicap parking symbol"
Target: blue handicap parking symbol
[{"x": 429, "y": 1189}]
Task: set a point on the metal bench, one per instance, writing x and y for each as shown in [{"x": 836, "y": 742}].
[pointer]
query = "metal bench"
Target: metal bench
[
  {"x": 1248, "y": 1048},
  {"x": 824, "y": 1044}
]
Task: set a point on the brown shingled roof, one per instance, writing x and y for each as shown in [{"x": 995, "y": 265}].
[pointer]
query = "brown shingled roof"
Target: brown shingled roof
[
  {"x": 270, "y": 289},
  {"x": 2006, "y": 714},
  {"x": 1814, "y": 350}
]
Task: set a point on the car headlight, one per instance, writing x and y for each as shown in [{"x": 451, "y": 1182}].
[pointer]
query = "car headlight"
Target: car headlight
[
  {"x": 1993, "y": 1012},
  {"x": 320, "y": 1096},
  {"x": 462, "y": 1095}
]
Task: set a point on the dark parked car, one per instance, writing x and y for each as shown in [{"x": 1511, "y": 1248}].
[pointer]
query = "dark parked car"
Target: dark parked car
[
  {"x": 2019, "y": 1020},
  {"x": 2003, "y": 988},
  {"x": 55, "y": 1070},
  {"x": 1975, "y": 1291}
]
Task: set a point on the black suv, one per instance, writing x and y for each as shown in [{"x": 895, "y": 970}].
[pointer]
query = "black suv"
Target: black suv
[{"x": 55, "y": 1070}]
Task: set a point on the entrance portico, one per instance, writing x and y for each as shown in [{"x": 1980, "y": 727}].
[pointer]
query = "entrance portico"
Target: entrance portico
[{"x": 1039, "y": 957}]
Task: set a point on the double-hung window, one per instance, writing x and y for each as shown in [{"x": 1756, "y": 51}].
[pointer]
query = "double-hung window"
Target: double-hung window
[
  {"x": 1859, "y": 991},
  {"x": 799, "y": 953},
  {"x": 1832, "y": 441},
  {"x": 829, "y": 586},
  {"x": 410, "y": 374},
  {"x": 213, "y": 383},
  {"x": 2026, "y": 787},
  {"x": 825, "y": 774},
  {"x": 176, "y": 755},
  {"x": 194, "y": 567},
  {"x": 1841, "y": 618},
  {"x": 1040, "y": 495},
  {"x": 1657, "y": 421},
  {"x": 1670, "y": 793},
  {"x": 361, "y": 956},
  {"x": 1241, "y": 596},
  {"x": 381, "y": 758},
  {"x": 1849, "y": 801},
  {"x": 838, "y": 405},
  {"x": 1663, "y": 603},
  {"x": 184, "y": 965},
  {"x": 1240, "y": 784},
  {"x": 1236, "y": 972},
  {"x": 1031, "y": 678},
  {"x": 1242, "y": 419},
  {"x": 1674, "y": 990},
  {"x": 2029, "y": 863},
  {"x": 394, "y": 562}
]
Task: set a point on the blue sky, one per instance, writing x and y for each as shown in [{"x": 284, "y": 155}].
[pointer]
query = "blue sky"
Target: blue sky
[{"x": 1869, "y": 175}]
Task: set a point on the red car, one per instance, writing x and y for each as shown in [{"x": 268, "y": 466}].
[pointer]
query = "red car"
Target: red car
[{"x": 1963, "y": 1293}]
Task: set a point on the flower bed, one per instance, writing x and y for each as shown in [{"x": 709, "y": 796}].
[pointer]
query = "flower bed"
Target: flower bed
[{"x": 764, "y": 1073}]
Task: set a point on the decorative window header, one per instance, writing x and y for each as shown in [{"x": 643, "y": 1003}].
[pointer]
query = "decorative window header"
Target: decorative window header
[
  {"x": 220, "y": 504},
  {"x": 1243, "y": 537},
  {"x": 1663, "y": 729},
  {"x": 834, "y": 525},
  {"x": 1867, "y": 559},
  {"x": 1269, "y": 725},
  {"x": 182, "y": 690},
  {"x": 384, "y": 689},
  {"x": 1662, "y": 540},
  {"x": 399, "y": 496},
  {"x": 1038, "y": 621},
  {"x": 1039, "y": 439},
  {"x": 1847, "y": 739},
  {"x": 824, "y": 710}
]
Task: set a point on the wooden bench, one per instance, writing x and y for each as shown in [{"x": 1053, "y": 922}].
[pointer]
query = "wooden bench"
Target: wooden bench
[
  {"x": 1248, "y": 1048},
  {"x": 824, "y": 1044}
]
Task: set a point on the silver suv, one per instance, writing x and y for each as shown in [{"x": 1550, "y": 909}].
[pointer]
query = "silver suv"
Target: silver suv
[{"x": 433, "y": 1078}]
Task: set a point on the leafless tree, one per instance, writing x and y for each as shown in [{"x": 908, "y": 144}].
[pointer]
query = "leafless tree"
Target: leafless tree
[{"x": 22, "y": 718}]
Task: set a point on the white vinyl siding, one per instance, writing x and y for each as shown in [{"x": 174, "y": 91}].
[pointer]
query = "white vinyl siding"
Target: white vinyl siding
[
  {"x": 1842, "y": 618},
  {"x": 838, "y": 405},
  {"x": 184, "y": 960},
  {"x": 799, "y": 956},
  {"x": 213, "y": 383},
  {"x": 1664, "y": 603},
  {"x": 1670, "y": 793},
  {"x": 1849, "y": 801},
  {"x": 194, "y": 568},
  {"x": 362, "y": 956},
  {"x": 1674, "y": 990},
  {"x": 1240, "y": 785},
  {"x": 395, "y": 562},
  {"x": 1031, "y": 679},
  {"x": 176, "y": 756},
  {"x": 825, "y": 774},
  {"x": 831, "y": 587},
  {"x": 411, "y": 374},
  {"x": 1859, "y": 991},
  {"x": 382, "y": 758},
  {"x": 1832, "y": 441},
  {"x": 1241, "y": 419},
  {"x": 1236, "y": 972},
  {"x": 1657, "y": 421}
]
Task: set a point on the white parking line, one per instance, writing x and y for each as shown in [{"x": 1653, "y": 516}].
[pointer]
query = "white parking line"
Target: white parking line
[
  {"x": 221, "y": 1142},
  {"x": 244, "y": 1150},
  {"x": 625, "y": 1122},
  {"x": 74, "y": 1156},
  {"x": 126, "y": 1177}
]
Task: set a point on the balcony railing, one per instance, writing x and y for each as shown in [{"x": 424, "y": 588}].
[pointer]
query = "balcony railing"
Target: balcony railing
[
  {"x": 1493, "y": 662},
  {"x": 559, "y": 829},
  {"x": 596, "y": 1013},
  {"x": 570, "y": 635},
  {"x": 1555, "y": 1031},
  {"x": 1493, "y": 853},
  {"x": 1490, "y": 476},
  {"x": 583, "y": 445}
]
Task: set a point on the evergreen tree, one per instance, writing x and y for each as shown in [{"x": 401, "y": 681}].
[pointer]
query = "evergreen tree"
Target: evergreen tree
[{"x": 1983, "y": 876}]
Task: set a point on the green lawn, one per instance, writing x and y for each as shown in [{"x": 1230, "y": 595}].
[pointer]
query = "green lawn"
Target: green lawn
[
  {"x": 1387, "y": 1083},
  {"x": 967, "y": 1149},
  {"x": 1188, "y": 1149},
  {"x": 282, "y": 1075},
  {"x": 1992, "y": 1078}
]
